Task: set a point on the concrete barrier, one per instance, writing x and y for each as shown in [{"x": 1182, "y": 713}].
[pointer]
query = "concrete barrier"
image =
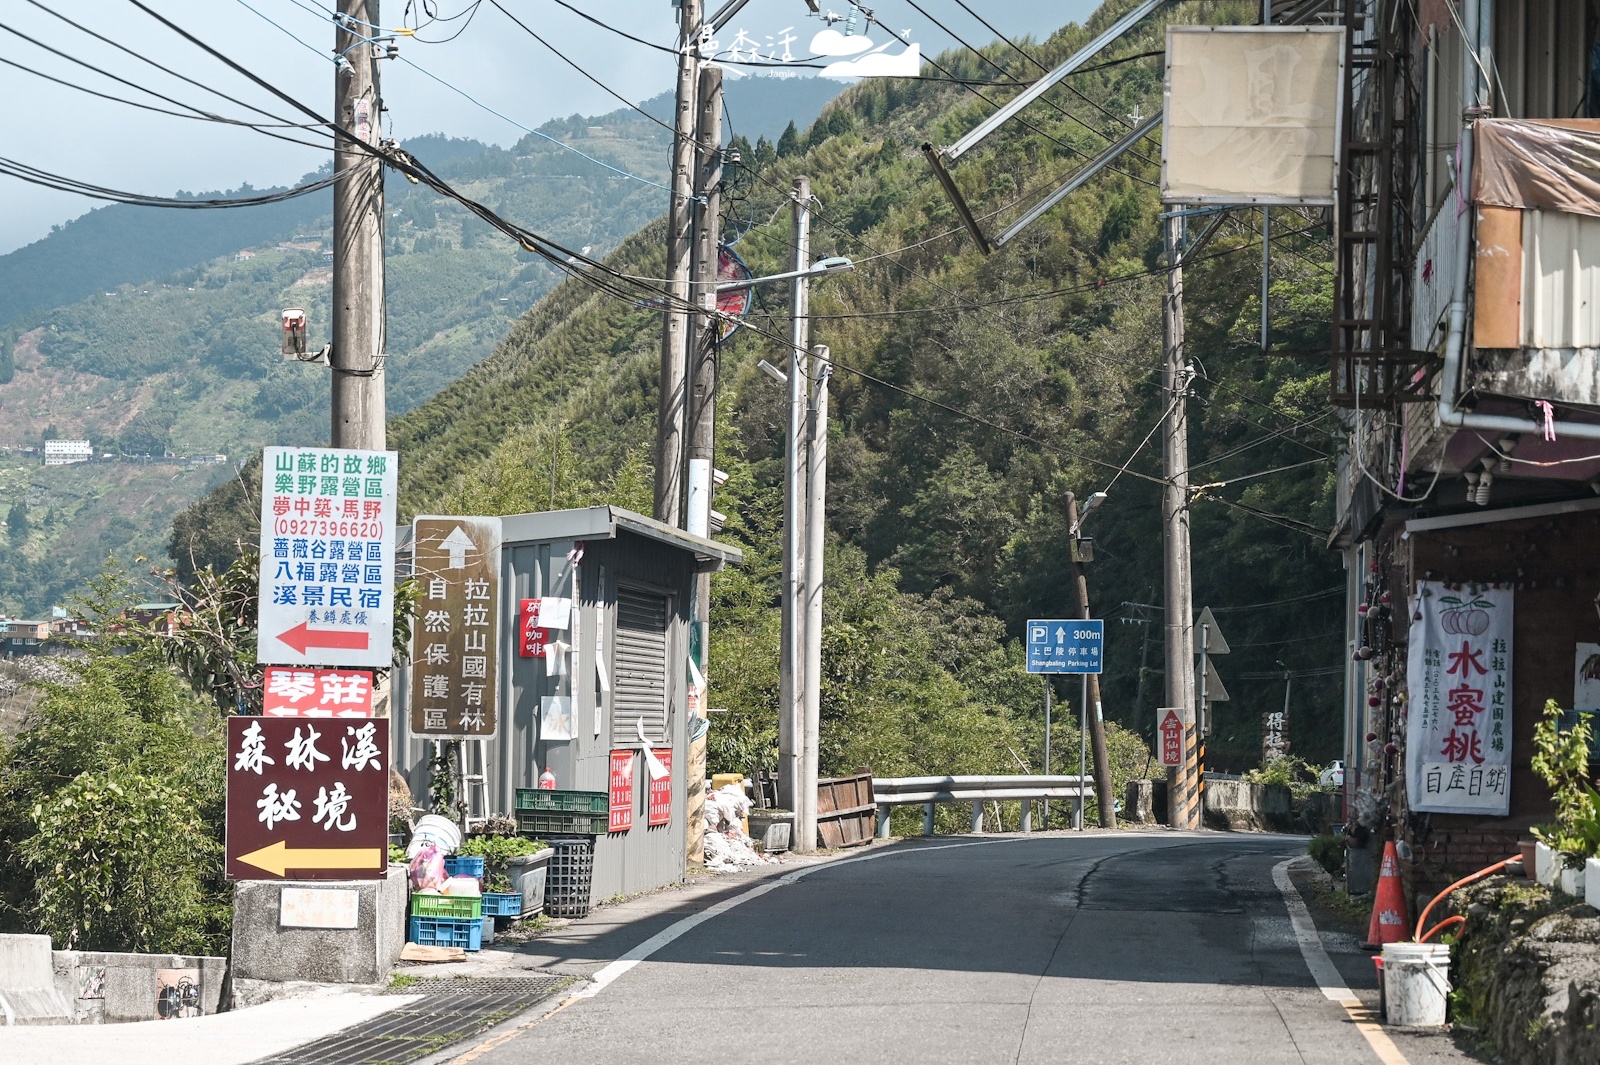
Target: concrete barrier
[
  {"x": 28, "y": 992},
  {"x": 106, "y": 987},
  {"x": 266, "y": 952},
  {"x": 1237, "y": 806}
]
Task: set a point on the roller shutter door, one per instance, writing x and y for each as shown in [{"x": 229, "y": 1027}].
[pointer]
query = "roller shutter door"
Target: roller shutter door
[{"x": 641, "y": 669}]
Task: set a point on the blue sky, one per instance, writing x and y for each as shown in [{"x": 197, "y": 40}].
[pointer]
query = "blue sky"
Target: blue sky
[{"x": 57, "y": 128}]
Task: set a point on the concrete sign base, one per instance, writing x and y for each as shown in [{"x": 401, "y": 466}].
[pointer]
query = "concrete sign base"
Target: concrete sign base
[{"x": 264, "y": 949}]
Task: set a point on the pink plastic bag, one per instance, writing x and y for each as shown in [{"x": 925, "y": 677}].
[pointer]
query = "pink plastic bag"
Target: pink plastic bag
[{"x": 427, "y": 869}]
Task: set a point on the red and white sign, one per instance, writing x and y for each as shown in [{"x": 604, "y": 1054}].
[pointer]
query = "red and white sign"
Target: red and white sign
[
  {"x": 660, "y": 812},
  {"x": 293, "y": 692},
  {"x": 1171, "y": 739},
  {"x": 531, "y": 639},
  {"x": 622, "y": 763}
]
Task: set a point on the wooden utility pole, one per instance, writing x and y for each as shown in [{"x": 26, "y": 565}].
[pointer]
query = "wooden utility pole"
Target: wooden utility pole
[
  {"x": 791, "y": 694},
  {"x": 357, "y": 354},
  {"x": 680, "y": 242},
  {"x": 1091, "y": 711},
  {"x": 1183, "y": 811}
]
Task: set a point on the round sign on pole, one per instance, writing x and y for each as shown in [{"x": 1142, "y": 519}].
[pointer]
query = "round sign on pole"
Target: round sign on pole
[{"x": 735, "y": 301}]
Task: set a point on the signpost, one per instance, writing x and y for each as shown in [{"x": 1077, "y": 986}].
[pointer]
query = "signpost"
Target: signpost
[
  {"x": 316, "y": 692},
  {"x": 1065, "y": 645},
  {"x": 456, "y": 636},
  {"x": 327, "y": 557},
  {"x": 308, "y": 798}
]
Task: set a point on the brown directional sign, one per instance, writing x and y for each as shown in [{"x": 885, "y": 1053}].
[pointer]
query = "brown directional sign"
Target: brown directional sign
[
  {"x": 455, "y": 637},
  {"x": 308, "y": 799}
]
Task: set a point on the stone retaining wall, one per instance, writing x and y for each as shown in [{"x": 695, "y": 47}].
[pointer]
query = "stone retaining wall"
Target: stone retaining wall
[{"x": 1527, "y": 972}]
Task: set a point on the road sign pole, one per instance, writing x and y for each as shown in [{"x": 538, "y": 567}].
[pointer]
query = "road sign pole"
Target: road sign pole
[
  {"x": 1096, "y": 726},
  {"x": 1083, "y": 743},
  {"x": 1047, "y": 747}
]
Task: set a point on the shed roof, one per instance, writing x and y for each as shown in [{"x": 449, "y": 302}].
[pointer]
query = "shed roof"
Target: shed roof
[{"x": 603, "y": 523}]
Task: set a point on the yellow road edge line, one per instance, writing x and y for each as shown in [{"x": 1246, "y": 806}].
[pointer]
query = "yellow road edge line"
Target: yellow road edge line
[{"x": 1366, "y": 1022}]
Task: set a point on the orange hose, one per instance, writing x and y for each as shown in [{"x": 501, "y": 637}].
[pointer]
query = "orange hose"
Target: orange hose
[
  {"x": 1448, "y": 921},
  {"x": 1479, "y": 875}
]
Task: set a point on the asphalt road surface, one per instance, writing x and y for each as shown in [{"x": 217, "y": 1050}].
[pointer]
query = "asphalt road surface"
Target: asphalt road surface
[{"x": 1143, "y": 948}]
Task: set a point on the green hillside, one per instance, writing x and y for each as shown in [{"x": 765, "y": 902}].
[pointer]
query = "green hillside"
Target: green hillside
[
  {"x": 970, "y": 393},
  {"x": 151, "y": 331}
]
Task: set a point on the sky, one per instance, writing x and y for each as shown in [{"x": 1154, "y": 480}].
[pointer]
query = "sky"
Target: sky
[{"x": 61, "y": 129}]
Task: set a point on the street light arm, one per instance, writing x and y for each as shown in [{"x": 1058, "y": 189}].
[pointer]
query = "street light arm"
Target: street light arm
[{"x": 832, "y": 265}]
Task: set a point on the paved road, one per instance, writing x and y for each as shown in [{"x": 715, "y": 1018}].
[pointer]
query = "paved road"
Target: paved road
[{"x": 1097, "y": 948}]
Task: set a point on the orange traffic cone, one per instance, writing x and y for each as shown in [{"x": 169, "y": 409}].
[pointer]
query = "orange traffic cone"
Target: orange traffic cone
[{"x": 1388, "y": 924}]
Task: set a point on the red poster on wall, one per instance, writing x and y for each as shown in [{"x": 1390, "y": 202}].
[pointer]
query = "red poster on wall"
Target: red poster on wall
[
  {"x": 661, "y": 789},
  {"x": 621, "y": 791},
  {"x": 530, "y": 637}
]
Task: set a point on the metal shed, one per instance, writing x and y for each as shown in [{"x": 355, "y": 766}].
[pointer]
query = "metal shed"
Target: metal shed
[{"x": 632, "y": 584}]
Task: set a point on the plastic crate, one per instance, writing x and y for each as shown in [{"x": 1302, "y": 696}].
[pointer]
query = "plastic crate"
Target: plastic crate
[
  {"x": 446, "y": 932},
  {"x": 571, "y": 874},
  {"x": 459, "y": 906},
  {"x": 542, "y": 823},
  {"x": 578, "y": 802},
  {"x": 464, "y": 867},
  {"x": 502, "y": 904}
]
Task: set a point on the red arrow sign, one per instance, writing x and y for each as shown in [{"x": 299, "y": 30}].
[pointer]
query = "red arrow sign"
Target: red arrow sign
[
  {"x": 301, "y": 637},
  {"x": 1171, "y": 739}
]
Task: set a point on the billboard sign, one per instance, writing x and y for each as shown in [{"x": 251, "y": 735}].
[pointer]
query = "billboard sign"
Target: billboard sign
[
  {"x": 1252, "y": 114},
  {"x": 455, "y": 637},
  {"x": 327, "y": 557}
]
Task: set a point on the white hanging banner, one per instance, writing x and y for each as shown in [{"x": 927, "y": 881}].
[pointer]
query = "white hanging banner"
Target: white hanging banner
[{"x": 1458, "y": 724}]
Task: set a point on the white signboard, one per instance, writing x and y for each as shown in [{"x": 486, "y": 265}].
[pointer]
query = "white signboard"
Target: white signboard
[
  {"x": 840, "y": 54},
  {"x": 1458, "y": 723},
  {"x": 1252, "y": 114},
  {"x": 327, "y": 557}
]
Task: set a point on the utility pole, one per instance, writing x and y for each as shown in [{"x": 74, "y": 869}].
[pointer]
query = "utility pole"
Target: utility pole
[
  {"x": 680, "y": 242},
  {"x": 357, "y": 354},
  {"x": 1091, "y": 709},
  {"x": 816, "y": 534},
  {"x": 705, "y": 331},
  {"x": 1179, "y": 591},
  {"x": 791, "y": 698}
]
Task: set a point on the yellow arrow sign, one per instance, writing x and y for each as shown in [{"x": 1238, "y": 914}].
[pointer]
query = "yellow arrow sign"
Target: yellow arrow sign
[{"x": 278, "y": 859}]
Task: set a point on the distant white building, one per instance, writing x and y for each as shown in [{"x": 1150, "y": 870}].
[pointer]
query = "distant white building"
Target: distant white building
[{"x": 66, "y": 452}]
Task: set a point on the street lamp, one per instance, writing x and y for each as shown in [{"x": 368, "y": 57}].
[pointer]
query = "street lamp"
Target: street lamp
[{"x": 831, "y": 265}]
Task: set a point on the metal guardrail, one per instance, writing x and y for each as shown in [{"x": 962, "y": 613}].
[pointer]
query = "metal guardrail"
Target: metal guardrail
[{"x": 889, "y": 792}]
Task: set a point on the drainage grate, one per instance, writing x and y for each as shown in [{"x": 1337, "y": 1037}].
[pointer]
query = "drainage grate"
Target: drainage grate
[{"x": 449, "y": 1011}]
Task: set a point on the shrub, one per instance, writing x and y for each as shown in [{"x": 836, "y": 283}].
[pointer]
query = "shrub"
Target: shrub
[
  {"x": 1561, "y": 760},
  {"x": 1327, "y": 850}
]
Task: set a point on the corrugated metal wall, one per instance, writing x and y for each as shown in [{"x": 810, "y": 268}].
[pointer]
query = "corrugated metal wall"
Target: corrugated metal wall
[{"x": 625, "y": 863}]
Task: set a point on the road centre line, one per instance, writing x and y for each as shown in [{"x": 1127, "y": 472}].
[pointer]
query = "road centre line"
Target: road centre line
[{"x": 1327, "y": 977}]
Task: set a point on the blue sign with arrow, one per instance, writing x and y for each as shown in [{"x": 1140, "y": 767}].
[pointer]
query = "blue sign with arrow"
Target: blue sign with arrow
[{"x": 1065, "y": 645}]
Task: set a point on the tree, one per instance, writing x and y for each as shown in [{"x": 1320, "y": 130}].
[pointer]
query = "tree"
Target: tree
[
  {"x": 8, "y": 368},
  {"x": 17, "y": 523},
  {"x": 788, "y": 141}
]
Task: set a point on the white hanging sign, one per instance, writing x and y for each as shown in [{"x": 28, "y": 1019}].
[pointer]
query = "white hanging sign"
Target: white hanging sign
[{"x": 1458, "y": 724}]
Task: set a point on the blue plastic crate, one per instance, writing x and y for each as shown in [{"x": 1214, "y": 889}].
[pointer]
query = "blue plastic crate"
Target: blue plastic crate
[
  {"x": 464, "y": 867},
  {"x": 502, "y": 904},
  {"x": 446, "y": 932}
]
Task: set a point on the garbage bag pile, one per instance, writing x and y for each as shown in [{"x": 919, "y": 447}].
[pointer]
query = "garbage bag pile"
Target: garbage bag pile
[{"x": 727, "y": 845}]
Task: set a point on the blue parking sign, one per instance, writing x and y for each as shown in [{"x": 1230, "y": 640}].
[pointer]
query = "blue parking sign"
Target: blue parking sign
[{"x": 1065, "y": 645}]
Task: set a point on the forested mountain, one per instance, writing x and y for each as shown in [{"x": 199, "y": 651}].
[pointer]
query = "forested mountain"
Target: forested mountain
[
  {"x": 970, "y": 393},
  {"x": 153, "y": 331}
]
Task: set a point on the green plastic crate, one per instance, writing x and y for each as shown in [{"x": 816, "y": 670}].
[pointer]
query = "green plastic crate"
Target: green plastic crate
[
  {"x": 578, "y": 802},
  {"x": 463, "y": 907},
  {"x": 540, "y": 823}
]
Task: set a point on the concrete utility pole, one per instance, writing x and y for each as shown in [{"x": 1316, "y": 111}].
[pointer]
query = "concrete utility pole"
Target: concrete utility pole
[
  {"x": 680, "y": 241},
  {"x": 791, "y": 696},
  {"x": 1091, "y": 710},
  {"x": 358, "y": 293},
  {"x": 816, "y": 535},
  {"x": 705, "y": 331},
  {"x": 1179, "y": 591}
]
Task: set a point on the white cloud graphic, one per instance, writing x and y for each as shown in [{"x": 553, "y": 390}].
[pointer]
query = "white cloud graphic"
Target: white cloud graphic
[
  {"x": 908, "y": 64},
  {"x": 832, "y": 42}
]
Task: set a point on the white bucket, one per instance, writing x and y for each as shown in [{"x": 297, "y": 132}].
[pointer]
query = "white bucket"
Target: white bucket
[{"x": 1416, "y": 983}]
